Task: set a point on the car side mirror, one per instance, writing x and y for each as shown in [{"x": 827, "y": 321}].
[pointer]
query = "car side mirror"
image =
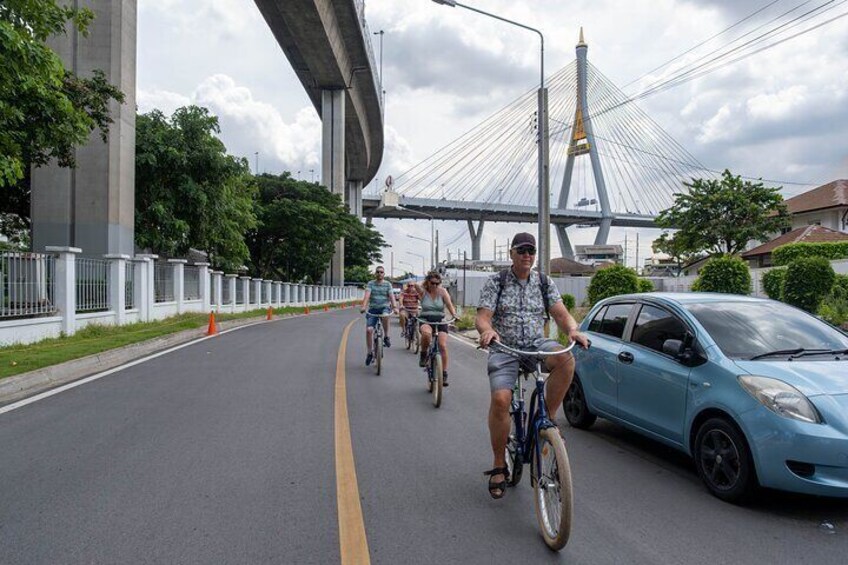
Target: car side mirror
[{"x": 673, "y": 347}]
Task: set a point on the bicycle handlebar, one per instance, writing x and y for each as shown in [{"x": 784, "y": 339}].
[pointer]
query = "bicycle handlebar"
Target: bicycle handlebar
[
  {"x": 386, "y": 315},
  {"x": 442, "y": 323},
  {"x": 535, "y": 354}
]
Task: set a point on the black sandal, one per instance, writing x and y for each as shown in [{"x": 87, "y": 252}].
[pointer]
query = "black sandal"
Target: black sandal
[{"x": 500, "y": 485}]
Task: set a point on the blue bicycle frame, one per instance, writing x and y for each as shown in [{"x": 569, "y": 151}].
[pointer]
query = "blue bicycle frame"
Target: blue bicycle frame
[{"x": 537, "y": 419}]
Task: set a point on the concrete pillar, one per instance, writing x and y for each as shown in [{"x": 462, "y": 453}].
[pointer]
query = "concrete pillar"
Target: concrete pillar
[
  {"x": 65, "y": 286},
  {"x": 142, "y": 293},
  {"x": 245, "y": 286},
  {"x": 219, "y": 289},
  {"x": 286, "y": 294},
  {"x": 476, "y": 238},
  {"x": 278, "y": 294},
  {"x": 179, "y": 282},
  {"x": 269, "y": 296},
  {"x": 151, "y": 284},
  {"x": 93, "y": 205},
  {"x": 565, "y": 248},
  {"x": 205, "y": 287},
  {"x": 354, "y": 197},
  {"x": 231, "y": 282},
  {"x": 257, "y": 292},
  {"x": 333, "y": 165},
  {"x": 118, "y": 286}
]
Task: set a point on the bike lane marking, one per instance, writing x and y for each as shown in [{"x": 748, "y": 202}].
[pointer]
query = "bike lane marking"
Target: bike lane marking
[{"x": 353, "y": 543}]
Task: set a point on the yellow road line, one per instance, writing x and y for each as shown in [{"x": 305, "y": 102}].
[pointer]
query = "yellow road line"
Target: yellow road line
[{"x": 352, "y": 541}]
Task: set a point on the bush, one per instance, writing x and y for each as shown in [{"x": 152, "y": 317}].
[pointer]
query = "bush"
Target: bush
[
  {"x": 724, "y": 273},
  {"x": 785, "y": 254},
  {"x": 612, "y": 281},
  {"x": 569, "y": 301},
  {"x": 839, "y": 289},
  {"x": 808, "y": 282},
  {"x": 834, "y": 310},
  {"x": 465, "y": 321},
  {"x": 773, "y": 283},
  {"x": 645, "y": 285}
]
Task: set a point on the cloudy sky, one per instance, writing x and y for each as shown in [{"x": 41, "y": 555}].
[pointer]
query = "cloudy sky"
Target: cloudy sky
[{"x": 781, "y": 114}]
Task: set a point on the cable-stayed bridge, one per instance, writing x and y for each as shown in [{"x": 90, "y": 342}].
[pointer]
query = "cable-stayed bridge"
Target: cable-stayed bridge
[{"x": 610, "y": 164}]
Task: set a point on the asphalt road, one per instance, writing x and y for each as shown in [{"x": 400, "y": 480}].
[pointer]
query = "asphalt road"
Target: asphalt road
[{"x": 223, "y": 452}]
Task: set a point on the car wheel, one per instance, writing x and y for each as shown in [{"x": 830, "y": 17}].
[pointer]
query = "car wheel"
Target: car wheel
[
  {"x": 724, "y": 460},
  {"x": 575, "y": 407}
]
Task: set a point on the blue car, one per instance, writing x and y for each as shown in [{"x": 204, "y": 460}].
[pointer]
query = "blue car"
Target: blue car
[{"x": 754, "y": 390}]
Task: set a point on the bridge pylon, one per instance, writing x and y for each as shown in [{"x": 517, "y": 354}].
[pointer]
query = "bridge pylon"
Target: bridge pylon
[{"x": 582, "y": 142}]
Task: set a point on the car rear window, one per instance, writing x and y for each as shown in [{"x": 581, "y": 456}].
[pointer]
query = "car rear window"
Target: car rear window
[{"x": 615, "y": 318}]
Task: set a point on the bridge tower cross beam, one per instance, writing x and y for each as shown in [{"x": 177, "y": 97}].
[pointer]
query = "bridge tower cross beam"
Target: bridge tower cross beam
[{"x": 582, "y": 131}]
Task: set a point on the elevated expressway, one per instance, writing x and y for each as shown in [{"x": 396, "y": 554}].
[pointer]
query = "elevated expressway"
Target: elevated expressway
[{"x": 328, "y": 44}]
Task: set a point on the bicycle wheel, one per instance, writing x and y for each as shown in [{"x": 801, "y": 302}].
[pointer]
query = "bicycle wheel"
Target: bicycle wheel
[
  {"x": 407, "y": 334},
  {"x": 429, "y": 373},
  {"x": 553, "y": 490},
  {"x": 515, "y": 466},
  {"x": 378, "y": 354},
  {"x": 438, "y": 380},
  {"x": 417, "y": 340}
]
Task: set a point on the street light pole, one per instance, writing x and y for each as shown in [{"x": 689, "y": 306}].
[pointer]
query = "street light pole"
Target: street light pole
[
  {"x": 423, "y": 259},
  {"x": 544, "y": 243},
  {"x": 432, "y": 234}
]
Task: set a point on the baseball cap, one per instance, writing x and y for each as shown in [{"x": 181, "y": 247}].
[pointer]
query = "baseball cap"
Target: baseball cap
[{"x": 523, "y": 239}]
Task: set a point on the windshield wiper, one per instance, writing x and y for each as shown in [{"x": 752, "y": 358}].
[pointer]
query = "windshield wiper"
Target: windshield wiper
[
  {"x": 822, "y": 352},
  {"x": 781, "y": 352}
]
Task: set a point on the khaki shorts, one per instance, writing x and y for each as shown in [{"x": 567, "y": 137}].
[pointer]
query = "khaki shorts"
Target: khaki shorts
[{"x": 503, "y": 368}]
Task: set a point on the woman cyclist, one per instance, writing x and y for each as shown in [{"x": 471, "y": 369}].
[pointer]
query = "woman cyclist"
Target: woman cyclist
[
  {"x": 434, "y": 300},
  {"x": 410, "y": 300}
]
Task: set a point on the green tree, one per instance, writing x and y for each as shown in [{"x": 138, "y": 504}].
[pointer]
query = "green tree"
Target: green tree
[
  {"x": 358, "y": 274},
  {"x": 612, "y": 281},
  {"x": 46, "y": 111},
  {"x": 723, "y": 215},
  {"x": 189, "y": 192},
  {"x": 363, "y": 245},
  {"x": 676, "y": 246},
  {"x": 724, "y": 273}
]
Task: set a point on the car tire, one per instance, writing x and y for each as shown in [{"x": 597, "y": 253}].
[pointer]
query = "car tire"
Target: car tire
[
  {"x": 724, "y": 461},
  {"x": 576, "y": 408}
]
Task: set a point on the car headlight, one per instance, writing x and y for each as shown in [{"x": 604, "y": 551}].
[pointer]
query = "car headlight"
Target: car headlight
[{"x": 781, "y": 398}]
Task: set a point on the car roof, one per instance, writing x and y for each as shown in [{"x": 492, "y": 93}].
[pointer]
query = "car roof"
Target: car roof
[{"x": 686, "y": 298}]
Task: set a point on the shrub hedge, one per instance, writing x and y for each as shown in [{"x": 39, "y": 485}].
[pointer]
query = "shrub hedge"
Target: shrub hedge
[
  {"x": 645, "y": 285},
  {"x": 724, "y": 273},
  {"x": 569, "y": 301},
  {"x": 613, "y": 281},
  {"x": 773, "y": 283},
  {"x": 808, "y": 282},
  {"x": 785, "y": 254},
  {"x": 839, "y": 290}
]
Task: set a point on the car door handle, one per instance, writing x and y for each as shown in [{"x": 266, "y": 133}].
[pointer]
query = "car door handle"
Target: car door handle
[{"x": 625, "y": 357}]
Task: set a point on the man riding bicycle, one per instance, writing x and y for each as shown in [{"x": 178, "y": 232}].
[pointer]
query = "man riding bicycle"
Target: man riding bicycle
[
  {"x": 410, "y": 300},
  {"x": 379, "y": 299},
  {"x": 434, "y": 300},
  {"x": 513, "y": 308}
]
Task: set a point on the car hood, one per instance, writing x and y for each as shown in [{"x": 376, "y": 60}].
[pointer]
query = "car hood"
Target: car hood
[{"x": 810, "y": 377}]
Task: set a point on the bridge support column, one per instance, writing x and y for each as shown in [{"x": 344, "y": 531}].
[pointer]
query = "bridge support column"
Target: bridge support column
[
  {"x": 333, "y": 166},
  {"x": 476, "y": 237},
  {"x": 354, "y": 197},
  {"x": 603, "y": 231},
  {"x": 93, "y": 205},
  {"x": 565, "y": 248}
]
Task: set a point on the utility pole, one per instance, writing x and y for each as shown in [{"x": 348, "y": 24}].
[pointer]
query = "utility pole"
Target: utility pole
[
  {"x": 637, "y": 253},
  {"x": 464, "y": 269},
  {"x": 437, "y": 248},
  {"x": 256, "y": 154},
  {"x": 393, "y": 264},
  {"x": 495, "y": 251},
  {"x": 625, "y": 249}
]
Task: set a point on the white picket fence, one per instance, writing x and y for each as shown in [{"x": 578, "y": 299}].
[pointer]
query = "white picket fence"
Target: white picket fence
[{"x": 49, "y": 294}]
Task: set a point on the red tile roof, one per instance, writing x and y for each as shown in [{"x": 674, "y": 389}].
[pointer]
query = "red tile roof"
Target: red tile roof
[
  {"x": 563, "y": 266},
  {"x": 831, "y": 195},
  {"x": 807, "y": 234}
]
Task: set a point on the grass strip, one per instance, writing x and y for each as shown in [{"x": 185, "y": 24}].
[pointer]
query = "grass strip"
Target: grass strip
[{"x": 92, "y": 339}]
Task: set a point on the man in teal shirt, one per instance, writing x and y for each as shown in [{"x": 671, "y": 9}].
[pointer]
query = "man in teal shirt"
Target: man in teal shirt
[{"x": 378, "y": 299}]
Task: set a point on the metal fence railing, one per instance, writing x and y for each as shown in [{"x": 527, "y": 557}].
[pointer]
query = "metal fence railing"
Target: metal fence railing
[
  {"x": 239, "y": 292},
  {"x": 129, "y": 286},
  {"x": 191, "y": 283},
  {"x": 163, "y": 282},
  {"x": 26, "y": 285},
  {"x": 225, "y": 291},
  {"x": 92, "y": 285}
]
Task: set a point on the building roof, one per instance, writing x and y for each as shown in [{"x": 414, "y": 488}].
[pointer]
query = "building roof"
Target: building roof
[
  {"x": 806, "y": 234},
  {"x": 564, "y": 266},
  {"x": 831, "y": 195}
]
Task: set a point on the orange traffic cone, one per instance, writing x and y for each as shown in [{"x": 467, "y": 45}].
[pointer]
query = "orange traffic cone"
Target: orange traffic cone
[
  {"x": 268, "y": 317},
  {"x": 306, "y": 310},
  {"x": 326, "y": 308},
  {"x": 213, "y": 329}
]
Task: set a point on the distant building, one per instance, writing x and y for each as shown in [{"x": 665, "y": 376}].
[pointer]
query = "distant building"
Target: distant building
[
  {"x": 597, "y": 254},
  {"x": 760, "y": 256},
  {"x": 563, "y": 267},
  {"x": 660, "y": 265},
  {"x": 825, "y": 206}
]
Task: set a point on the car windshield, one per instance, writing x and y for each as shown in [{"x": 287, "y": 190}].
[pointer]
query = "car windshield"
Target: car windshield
[{"x": 743, "y": 330}]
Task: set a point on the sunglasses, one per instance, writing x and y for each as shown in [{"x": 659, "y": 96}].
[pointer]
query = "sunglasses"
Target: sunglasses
[
  {"x": 526, "y": 250},
  {"x": 381, "y": 272},
  {"x": 435, "y": 281}
]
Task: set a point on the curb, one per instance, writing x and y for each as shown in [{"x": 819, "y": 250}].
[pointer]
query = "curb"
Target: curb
[{"x": 19, "y": 387}]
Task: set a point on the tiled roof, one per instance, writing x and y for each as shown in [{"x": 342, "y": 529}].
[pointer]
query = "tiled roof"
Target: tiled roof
[
  {"x": 564, "y": 266},
  {"x": 807, "y": 234},
  {"x": 831, "y": 195}
]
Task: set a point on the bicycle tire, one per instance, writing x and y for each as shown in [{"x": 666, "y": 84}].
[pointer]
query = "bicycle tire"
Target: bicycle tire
[
  {"x": 553, "y": 490},
  {"x": 378, "y": 355},
  {"x": 428, "y": 373},
  {"x": 417, "y": 340},
  {"x": 438, "y": 380}
]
